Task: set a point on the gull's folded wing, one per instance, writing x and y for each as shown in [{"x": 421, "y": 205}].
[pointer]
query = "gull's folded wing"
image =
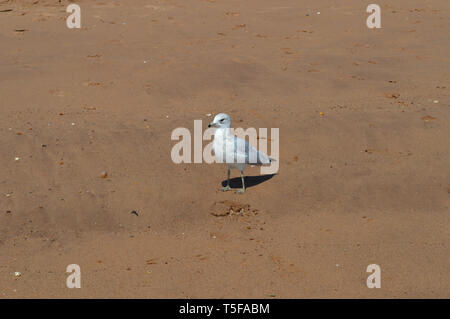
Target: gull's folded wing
[{"x": 245, "y": 153}]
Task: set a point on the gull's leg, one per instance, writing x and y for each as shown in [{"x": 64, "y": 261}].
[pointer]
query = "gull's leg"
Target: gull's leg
[
  {"x": 242, "y": 190},
  {"x": 227, "y": 188}
]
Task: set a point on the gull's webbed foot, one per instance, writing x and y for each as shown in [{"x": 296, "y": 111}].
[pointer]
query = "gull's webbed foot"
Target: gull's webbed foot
[
  {"x": 225, "y": 189},
  {"x": 240, "y": 191}
]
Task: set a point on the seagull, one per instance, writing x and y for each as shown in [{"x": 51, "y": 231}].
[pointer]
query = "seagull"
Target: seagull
[{"x": 234, "y": 151}]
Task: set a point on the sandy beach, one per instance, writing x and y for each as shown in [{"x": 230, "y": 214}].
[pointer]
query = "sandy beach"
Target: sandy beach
[{"x": 87, "y": 176}]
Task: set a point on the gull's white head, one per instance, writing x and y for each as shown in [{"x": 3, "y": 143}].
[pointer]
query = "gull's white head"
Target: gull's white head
[{"x": 221, "y": 120}]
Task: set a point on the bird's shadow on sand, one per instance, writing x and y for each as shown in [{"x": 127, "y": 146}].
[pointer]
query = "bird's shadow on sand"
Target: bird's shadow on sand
[{"x": 249, "y": 181}]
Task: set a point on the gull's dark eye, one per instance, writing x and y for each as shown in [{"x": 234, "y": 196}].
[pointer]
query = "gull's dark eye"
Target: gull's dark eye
[{"x": 222, "y": 120}]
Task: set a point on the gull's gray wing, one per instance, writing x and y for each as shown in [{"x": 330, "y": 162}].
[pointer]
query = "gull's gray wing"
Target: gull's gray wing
[{"x": 245, "y": 153}]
